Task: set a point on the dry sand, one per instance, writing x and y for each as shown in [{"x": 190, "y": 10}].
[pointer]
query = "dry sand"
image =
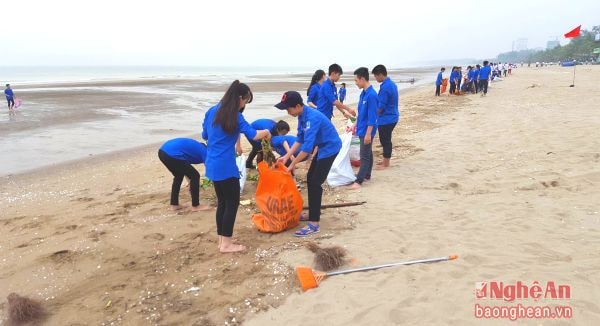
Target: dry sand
[{"x": 508, "y": 182}]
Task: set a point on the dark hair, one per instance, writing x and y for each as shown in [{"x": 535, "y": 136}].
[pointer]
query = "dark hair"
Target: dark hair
[
  {"x": 485, "y": 62},
  {"x": 281, "y": 125},
  {"x": 362, "y": 72},
  {"x": 478, "y": 66},
  {"x": 227, "y": 115},
  {"x": 7, "y": 85},
  {"x": 335, "y": 68},
  {"x": 380, "y": 70},
  {"x": 344, "y": 84},
  {"x": 443, "y": 69},
  {"x": 315, "y": 79}
]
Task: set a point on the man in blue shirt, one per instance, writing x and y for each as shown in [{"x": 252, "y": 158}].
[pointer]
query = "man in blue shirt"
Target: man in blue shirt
[
  {"x": 343, "y": 92},
  {"x": 388, "y": 112},
  {"x": 366, "y": 124},
  {"x": 438, "y": 81},
  {"x": 276, "y": 128},
  {"x": 178, "y": 155},
  {"x": 476, "y": 78},
  {"x": 328, "y": 97},
  {"x": 484, "y": 76},
  {"x": 10, "y": 97},
  {"x": 452, "y": 80},
  {"x": 314, "y": 130}
]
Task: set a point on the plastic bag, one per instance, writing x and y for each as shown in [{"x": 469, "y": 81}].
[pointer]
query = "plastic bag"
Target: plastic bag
[
  {"x": 240, "y": 161},
  {"x": 278, "y": 199},
  {"x": 355, "y": 151},
  {"x": 341, "y": 173}
]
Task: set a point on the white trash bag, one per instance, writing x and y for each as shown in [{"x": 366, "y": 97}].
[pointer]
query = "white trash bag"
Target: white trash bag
[
  {"x": 240, "y": 161},
  {"x": 341, "y": 173}
]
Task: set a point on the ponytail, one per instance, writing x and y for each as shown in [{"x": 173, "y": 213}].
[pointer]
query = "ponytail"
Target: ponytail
[
  {"x": 227, "y": 115},
  {"x": 315, "y": 79}
]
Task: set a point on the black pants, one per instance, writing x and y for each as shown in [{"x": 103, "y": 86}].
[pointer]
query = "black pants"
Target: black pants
[
  {"x": 179, "y": 169},
  {"x": 228, "y": 198},
  {"x": 11, "y": 103},
  {"x": 452, "y": 87},
  {"x": 317, "y": 174},
  {"x": 437, "y": 92},
  {"x": 476, "y": 86},
  {"x": 385, "y": 138},
  {"x": 366, "y": 161},
  {"x": 483, "y": 85},
  {"x": 256, "y": 152}
]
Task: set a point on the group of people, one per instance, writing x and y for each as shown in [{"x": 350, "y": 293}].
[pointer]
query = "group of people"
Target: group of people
[
  {"x": 475, "y": 80},
  {"x": 317, "y": 138}
]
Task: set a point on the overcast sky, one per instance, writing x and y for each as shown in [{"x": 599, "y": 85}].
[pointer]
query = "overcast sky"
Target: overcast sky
[{"x": 277, "y": 33}]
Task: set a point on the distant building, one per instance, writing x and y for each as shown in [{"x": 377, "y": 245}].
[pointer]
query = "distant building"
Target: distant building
[
  {"x": 521, "y": 44},
  {"x": 552, "y": 44}
]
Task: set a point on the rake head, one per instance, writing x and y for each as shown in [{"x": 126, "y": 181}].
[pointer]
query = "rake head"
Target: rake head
[{"x": 308, "y": 278}]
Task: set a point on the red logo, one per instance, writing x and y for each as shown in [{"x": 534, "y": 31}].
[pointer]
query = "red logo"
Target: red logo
[{"x": 284, "y": 97}]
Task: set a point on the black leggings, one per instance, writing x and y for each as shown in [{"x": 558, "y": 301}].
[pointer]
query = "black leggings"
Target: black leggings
[
  {"x": 256, "y": 152},
  {"x": 317, "y": 174},
  {"x": 179, "y": 169},
  {"x": 452, "y": 88},
  {"x": 228, "y": 198},
  {"x": 483, "y": 85},
  {"x": 385, "y": 138},
  {"x": 11, "y": 103},
  {"x": 437, "y": 91}
]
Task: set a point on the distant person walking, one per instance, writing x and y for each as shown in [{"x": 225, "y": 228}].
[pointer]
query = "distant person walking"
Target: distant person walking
[
  {"x": 438, "y": 81},
  {"x": 10, "y": 97},
  {"x": 342, "y": 93}
]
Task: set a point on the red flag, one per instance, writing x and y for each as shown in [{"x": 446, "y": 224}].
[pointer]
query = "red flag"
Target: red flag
[{"x": 574, "y": 33}]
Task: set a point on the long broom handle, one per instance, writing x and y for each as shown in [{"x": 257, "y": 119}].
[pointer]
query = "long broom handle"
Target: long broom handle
[{"x": 370, "y": 268}]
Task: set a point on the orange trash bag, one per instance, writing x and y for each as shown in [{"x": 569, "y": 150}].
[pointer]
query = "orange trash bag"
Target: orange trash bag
[
  {"x": 444, "y": 85},
  {"x": 277, "y": 198}
]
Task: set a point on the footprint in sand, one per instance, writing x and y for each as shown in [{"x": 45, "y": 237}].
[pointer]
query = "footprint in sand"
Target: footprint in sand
[{"x": 154, "y": 236}]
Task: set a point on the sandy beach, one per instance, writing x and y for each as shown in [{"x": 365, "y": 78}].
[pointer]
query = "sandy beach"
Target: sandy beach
[{"x": 509, "y": 182}]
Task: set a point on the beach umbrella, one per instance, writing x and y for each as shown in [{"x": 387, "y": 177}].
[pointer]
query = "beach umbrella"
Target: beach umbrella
[{"x": 310, "y": 279}]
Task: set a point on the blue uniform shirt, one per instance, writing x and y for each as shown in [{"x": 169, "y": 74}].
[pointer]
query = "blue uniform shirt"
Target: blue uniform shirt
[
  {"x": 327, "y": 95},
  {"x": 277, "y": 143},
  {"x": 367, "y": 112},
  {"x": 220, "y": 154},
  {"x": 471, "y": 74},
  {"x": 315, "y": 129},
  {"x": 342, "y": 93},
  {"x": 9, "y": 93},
  {"x": 388, "y": 103},
  {"x": 484, "y": 72},
  {"x": 438, "y": 81},
  {"x": 313, "y": 94},
  {"x": 475, "y": 74},
  {"x": 185, "y": 149}
]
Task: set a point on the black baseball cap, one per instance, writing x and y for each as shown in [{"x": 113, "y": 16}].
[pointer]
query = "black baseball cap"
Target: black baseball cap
[{"x": 289, "y": 99}]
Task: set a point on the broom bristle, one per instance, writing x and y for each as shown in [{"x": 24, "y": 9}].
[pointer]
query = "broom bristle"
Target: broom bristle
[
  {"x": 328, "y": 259},
  {"x": 313, "y": 246},
  {"x": 22, "y": 310}
]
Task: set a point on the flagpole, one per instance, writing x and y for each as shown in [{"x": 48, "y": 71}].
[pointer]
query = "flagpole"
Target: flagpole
[{"x": 573, "y": 85}]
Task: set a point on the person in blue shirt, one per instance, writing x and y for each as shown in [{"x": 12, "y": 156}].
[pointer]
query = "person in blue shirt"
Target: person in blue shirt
[
  {"x": 178, "y": 155},
  {"x": 315, "y": 130},
  {"x": 476, "y": 78},
  {"x": 283, "y": 144},
  {"x": 10, "y": 97},
  {"x": 342, "y": 92},
  {"x": 438, "y": 81},
  {"x": 221, "y": 128},
  {"x": 328, "y": 97},
  {"x": 484, "y": 76},
  {"x": 388, "y": 113},
  {"x": 459, "y": 78},
  {"x": 366, "y": 124},
  {"x": 452, "y": 81},
  {"x": 313, "y": 89},
  {"x": 276, "y": 128}
]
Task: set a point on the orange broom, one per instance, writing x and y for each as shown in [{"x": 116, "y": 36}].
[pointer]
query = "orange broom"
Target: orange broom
[{"x": 310, "y": 279}]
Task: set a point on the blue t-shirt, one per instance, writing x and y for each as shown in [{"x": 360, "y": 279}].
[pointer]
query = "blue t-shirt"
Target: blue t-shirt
[
  {"x": 342, "y": 93},
  {"x": 438, "y": 81},
  {"x": 327, "y": 95},
  {"x": 220, "y": 154},
  {"x": 9, "y": 93},
  {"x": 453, "y": 76},
  {"x": 484, "y": 72},
  {"x": 277, "y": 143},
  {"x": 313, "y": 94},
  {"x": 367, "y": 112},
  {"x": 315, "y": 129},
  {"x": 471, "y": 74},
  {"x": 476, "y": 74},
  {"x": 388, "y": 103},
  {"x": 261, "y": 124},
  {"x": 185, "y": 149}
]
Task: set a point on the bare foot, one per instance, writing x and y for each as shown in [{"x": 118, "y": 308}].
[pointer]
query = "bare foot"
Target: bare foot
[
  {"x": 177, "y": 207},
  {"x": 354, "y": 186},
  {"x": 381, "y": 167},
  {"x": 232, "y": 247},
  {"x": 201, "y": 208}
]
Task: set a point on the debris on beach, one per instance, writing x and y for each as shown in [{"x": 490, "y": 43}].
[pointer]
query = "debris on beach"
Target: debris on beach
[
  {"x": 268, "y": 155},
  {"x": 23, "y": 310},
  {"x": 329, "y": 258}
]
